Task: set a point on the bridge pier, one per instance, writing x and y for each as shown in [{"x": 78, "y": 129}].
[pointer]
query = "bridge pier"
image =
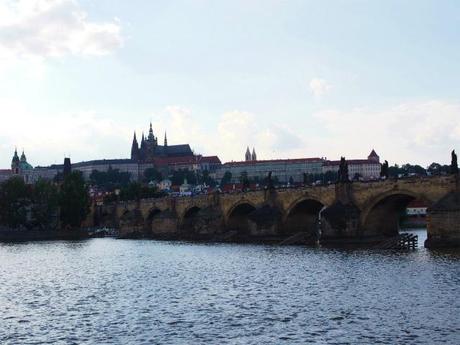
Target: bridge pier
[{"x": 444, "y": 222}]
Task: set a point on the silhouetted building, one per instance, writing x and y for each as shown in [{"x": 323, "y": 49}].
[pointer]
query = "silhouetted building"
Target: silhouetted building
[
  {"x": 148, "y": 149},
  {"x": 67, "y": 167}
]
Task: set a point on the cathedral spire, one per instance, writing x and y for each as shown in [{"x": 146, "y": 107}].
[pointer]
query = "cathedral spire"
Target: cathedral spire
[
  {"x": 135, "y": 148},
  {"x": 23, "y": 156},
  {"x": 166, "y": 140},
  {"x": 247, "y": 155},
  {"x": 254, "y": 155}
]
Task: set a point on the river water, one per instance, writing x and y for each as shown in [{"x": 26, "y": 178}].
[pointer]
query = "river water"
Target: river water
[{"x": 107, "y": 291}]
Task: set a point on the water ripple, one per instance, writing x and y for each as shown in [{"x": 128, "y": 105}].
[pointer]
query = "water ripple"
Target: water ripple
[{"x": 145, "y": 292}]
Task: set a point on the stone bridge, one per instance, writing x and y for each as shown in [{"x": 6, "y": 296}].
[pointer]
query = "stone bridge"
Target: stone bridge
[{"x": 351, "y": 210}]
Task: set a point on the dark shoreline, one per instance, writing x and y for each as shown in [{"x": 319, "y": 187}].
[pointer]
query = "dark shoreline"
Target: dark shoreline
[{"x": 37, "y": 235}]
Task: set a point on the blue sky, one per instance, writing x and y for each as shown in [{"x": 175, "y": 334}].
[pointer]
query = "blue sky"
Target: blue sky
[{"x": 292, "y": 78}]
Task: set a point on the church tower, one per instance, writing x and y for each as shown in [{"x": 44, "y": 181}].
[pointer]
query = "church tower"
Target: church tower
[
  {"x": 254, "y": 156},
  {"x": 15, "y": 162},
  {"x": 135, "y": 149},
  {"x": 247, "y": 156},
  {"x": 166, "y": 140}
]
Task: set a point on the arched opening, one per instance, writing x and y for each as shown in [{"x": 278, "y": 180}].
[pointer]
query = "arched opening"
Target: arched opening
[
  {"x": 150, "y": 223},
  {"x": 189, "y": 219},
  {"x": 238, "y": 218},
  {"x": 391, "y": 214},
  {"x": 131, "y": 224},
  {"x": 302, "y": 217}
]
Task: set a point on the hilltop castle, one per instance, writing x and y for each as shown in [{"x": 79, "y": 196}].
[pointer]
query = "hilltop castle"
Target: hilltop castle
[{"x": 149, "y": 150}]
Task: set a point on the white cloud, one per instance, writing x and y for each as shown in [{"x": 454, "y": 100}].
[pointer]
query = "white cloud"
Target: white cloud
[
  {"x": 53, "y": 28},
  {"x": 411, "y": 132},
  {"x": 319, "y": 87},
  {"x": 47, "y": 138},
  {"x": 419, "y": 132}
]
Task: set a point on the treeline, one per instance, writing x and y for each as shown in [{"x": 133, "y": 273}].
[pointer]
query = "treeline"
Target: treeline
[{"x": 44, "y": 205}]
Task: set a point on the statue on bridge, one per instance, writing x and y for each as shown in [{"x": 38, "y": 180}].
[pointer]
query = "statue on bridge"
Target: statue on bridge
[
  {"x": 270, "y": 181},
  {"x": 454, "y": 163},
  {"x": 384, "y": 170},
  {"x": 343, "y": 171}
]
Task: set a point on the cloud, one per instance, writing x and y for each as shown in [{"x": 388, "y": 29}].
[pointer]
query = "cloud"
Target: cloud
[
  {"x": 47, "y": 138},
  {"x": 410, "y": 132},
  {"x": 319, "y": 87},
  {"x": 418, "y": 132},
  {"x": 53, "y": 28}
]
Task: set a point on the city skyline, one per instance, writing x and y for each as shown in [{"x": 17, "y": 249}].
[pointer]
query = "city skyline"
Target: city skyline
[{"x": 295, "y": 79}]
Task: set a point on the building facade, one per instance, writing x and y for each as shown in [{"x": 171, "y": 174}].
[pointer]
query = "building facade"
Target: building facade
[
  {"x": 366, "y": 169},
  {"x": 282, "y": 169}
]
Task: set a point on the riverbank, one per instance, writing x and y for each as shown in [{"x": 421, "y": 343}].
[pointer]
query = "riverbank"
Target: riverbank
[{"x": 36, "y": 235}]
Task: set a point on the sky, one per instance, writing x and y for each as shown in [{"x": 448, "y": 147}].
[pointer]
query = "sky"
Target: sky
[{"x": 290, "y": 78}]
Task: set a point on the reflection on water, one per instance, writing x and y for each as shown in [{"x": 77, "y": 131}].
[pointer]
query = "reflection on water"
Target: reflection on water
[{"x": 106, "y": 291}]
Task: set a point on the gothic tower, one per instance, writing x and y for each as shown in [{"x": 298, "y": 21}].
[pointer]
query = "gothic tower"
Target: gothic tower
[
  {"x": 15, "y": 162},
  {"x": 135, "y": 149},
  {"x": 247, "y": 156}
]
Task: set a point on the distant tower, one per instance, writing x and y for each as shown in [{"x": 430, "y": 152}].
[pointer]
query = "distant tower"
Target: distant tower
[
  {"x": 166, "y": 140},
  {"x": 254, "y": 155},
  {"x": 15, "y": 162},
  {"x": 23, "y": 157},
  {"x": 67, "y": 167},
  {"x": 135, "y": 149},
  {"x": 151, "y": 137},
  {"x": 248, "y": 156},
  {"x": 373, "y": 156},
  {"x": 143, "y": 148}
]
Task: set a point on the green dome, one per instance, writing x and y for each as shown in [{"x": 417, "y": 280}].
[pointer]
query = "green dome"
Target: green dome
[{"x": 25, "y": 166}]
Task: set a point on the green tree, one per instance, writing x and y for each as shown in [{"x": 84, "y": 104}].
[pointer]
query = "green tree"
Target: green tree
[
  {"x": 74, "y": 200},
  {"x": 109, "y": 180},
  {"x": 152, "y": 174},
  {"x": 226, "y": 179},
  {"x": 244, "y": 180},
  {"x": 205, "y": 178},
  {"x": 45, "y": 205},
  {"x": 14, "y": 202},
  {"x": 178, "y": 177}
]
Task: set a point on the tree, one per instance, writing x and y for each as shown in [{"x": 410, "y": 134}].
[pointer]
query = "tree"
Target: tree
[
  {"x": 208, "y": 180},
  {"x": 454, "y": 163},
  {"x": 244, "y": 180},
  {"x": 357, "y": 177},
  {"x": 14, "y": 202},
  {"x": 384, "y": 170},
  {"x": 109, "y": 180},
  {"x": 74, "y": 200},
  {"x": 226, "y": 179},
  {"x": 152, "y": 174},
  {"x": 45, "y": 205},
  {"x": 178, "y": 177},
  {"x": 434, "y": 169},
  {"x": 136, "y": 191}
]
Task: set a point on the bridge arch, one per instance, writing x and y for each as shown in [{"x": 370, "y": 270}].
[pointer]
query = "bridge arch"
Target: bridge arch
[
  {"x": 237, "y": 217},
  {"x": 189, "y": 218},
  {"x": 301, "y": 215},
  {"x": 152, "y": 215},
  {"x": 382, "y": 214}
]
